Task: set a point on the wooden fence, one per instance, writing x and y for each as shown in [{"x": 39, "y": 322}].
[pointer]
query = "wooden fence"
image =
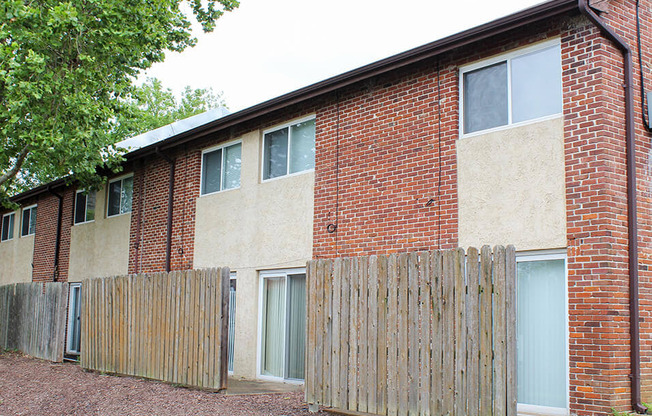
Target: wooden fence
[
  {"x": 429, "y": 333},
  {"x": 33, "y": 319},
  {"x": 171, "y": 327}
]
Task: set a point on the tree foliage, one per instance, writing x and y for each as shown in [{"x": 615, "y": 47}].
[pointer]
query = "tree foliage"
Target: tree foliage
[
  {"x": 66, "y": 68},
  {"x": 150, "y": 106}
]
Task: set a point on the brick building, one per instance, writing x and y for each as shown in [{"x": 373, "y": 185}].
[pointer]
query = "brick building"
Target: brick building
[{"x": 529, "y": 130}]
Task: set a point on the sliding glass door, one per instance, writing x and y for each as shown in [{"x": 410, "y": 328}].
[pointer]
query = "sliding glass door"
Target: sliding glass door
[
  {"x": 283, "y": 324},
  {"x": 541, "y": 334}
]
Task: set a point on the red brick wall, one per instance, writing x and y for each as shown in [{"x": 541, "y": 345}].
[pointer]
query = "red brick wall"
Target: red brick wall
[
  {"x": 149, "y": 217},
  {"x": 186, "y": 191},
  {"x": 391, "y": 163},
  {"x": 596, "y": 221},
  {"x": 46, "y": 236},
  {"x": 597, "y": 215},
  {"x": 621, "y": 19}
]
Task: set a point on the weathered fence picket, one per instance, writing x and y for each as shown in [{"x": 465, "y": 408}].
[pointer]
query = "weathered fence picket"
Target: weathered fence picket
[
  {"x": 33, "y": 319},
  {"x": 429, "y": 333},
  {"x": 165, "y": 326}
]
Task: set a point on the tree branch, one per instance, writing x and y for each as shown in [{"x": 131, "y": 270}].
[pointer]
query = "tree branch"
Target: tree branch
[{"x": 14, "y": 170}]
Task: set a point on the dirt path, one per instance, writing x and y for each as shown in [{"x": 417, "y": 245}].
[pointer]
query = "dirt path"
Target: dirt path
[{"x": 34, "y": 387}]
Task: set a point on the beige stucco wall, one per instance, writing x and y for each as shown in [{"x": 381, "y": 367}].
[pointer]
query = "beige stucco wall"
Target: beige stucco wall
[
  {"x": 99, "y": 248},
  {"x": 511, "y": 186},
  {"x": 260, "y": 226},
  {"x": 16, "y": 256}
]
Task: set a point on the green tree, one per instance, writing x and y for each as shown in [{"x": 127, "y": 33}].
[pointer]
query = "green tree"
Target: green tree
[
  {"x": 65, "y": 69},
  {"x": 150, "y": 106}
]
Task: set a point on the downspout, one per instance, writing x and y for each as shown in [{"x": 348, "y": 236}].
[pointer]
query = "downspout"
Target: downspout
[
  {"x": 168, "y": 238},
  {"x": 139, "y": 217},
  {"x": 632, "y": 221},
  {"x": 57, "y": 243}
]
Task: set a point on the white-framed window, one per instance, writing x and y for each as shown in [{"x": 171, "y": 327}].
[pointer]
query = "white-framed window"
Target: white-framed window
[
  {"x": 542, "y": 333},
  {"x": 119, "y": 196},
  {"x": 73, "y": 339},
  {"x": 289, "y": 149},
  {"x": 513, "y": 88},
  {"x": 84, "y": 206},
  {"x": 220, "y": 168},
  {"x": 7, "y": 232},
  {"x": 28, "y": 225},
  {"x": 282, "y": 324}
]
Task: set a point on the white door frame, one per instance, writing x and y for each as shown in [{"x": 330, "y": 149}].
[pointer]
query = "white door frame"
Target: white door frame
[
  {"x": 540, "y": 255},
  {"x": 264, "y": 274},
  {"x": 72, "y": 287}
]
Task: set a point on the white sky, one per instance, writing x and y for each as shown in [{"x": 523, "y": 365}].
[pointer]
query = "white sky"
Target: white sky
[{"x": 266, "y": 48}]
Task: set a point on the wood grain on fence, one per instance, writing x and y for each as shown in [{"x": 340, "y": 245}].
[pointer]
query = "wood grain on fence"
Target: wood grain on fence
[
  {"x": 430, "y": 333},
  {"x": 33, "y": 319},
  {"x": 165, "y": 326}
]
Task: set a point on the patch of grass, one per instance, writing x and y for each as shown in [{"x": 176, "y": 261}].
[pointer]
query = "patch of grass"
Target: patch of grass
[
  {"x": 177, "y": 385},
  {"x": 4, "y": 352},
  {"x": 614, "y": 412}
]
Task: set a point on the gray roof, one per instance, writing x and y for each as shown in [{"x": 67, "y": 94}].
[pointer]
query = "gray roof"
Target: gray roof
[{"x": 172, "y": 129}]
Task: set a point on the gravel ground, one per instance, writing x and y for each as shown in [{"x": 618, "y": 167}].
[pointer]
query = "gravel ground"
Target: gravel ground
[{"x": 29, "y": 386}]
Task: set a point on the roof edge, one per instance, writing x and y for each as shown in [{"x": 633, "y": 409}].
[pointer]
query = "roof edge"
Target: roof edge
[{"x": 59, "y": 183}]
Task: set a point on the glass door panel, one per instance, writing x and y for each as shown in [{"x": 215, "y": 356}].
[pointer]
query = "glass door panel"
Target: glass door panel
[
  {"x": 273, "y": 326},
  {"x": 232, "y": 292},
  {"x": 74, "y": 320},
  {"x": 541, "y": 333},
  {"x": 283, "y": 325},
  {"x": 296, "y": 335}
]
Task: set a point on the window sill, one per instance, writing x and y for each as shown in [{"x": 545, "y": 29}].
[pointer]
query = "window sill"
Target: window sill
[
  {"x": 289, "y": 175},
  {"x": 219, "y": 192},
  {"x": 85, "y": 222},
  {"x": 117, "y": 215},
  {"x": 532, "y": 410},
  {"x": 510, "y": 126},
  {"x": 281, "y": 380}
]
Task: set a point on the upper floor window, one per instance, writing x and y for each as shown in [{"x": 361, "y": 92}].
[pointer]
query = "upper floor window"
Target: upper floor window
[
  {"x": 513, "y": 88},
  {"x": 289, "y": 149},
  {"x": 28, "y": 227},
  {"x": 220, "y": 168},
  {"x": 84, "y": 206},
  {"x": 7, "y": 227},
  {"x": 119, "y": 196}
]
